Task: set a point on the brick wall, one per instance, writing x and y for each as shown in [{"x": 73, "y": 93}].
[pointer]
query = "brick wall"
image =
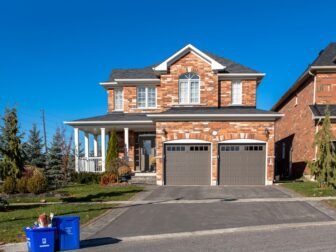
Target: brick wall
[
  {"x": 214, "y": 132},
  {"x": 296, "y": 132},
  {"x": 110, "y": 100},
  {"x": 326, "y": 88}
]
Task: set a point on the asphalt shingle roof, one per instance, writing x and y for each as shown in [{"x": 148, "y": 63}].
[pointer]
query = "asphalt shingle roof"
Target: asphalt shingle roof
[
  {"x": 215, "y": 110},
  {"x": 327, "y": 57},
  {"x": 319, "y": 109},
  {"x": 116, "y": 116},
  {"x": 148, "y": 73}
]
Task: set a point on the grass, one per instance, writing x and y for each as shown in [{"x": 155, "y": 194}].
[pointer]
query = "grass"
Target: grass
[
  {"x": 83, "y": 193},
  {"x": 309, "y": 189},
  {"x": 13, "y": 220},
  {"x": 16, "y": 218}
]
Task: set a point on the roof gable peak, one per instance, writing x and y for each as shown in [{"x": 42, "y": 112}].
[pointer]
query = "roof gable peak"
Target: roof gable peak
[{"x": 163, "y": 66}]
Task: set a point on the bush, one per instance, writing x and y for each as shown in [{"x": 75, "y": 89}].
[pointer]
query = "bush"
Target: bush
[
  {"x": 21, "y": 185},
  {"x": 85, "y": 177},
  {"x": 124, "y": 170},
  {"x": 3, "y": 204},
  {"x": 37, "y": 183},
  {"x": 9, "y": 185},
  {"x": 108, "y": 178}
]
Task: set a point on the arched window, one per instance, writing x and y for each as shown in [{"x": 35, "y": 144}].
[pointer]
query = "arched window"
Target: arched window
[{"x": 189, "y": 88}]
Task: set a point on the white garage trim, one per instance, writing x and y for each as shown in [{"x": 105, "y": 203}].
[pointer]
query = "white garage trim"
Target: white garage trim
[
  {"x": 243, "y": 141},
  {"x": 246, "y": 141},
  {"x": 186, "y": 141},
  {"x": 193, "y": 141}
]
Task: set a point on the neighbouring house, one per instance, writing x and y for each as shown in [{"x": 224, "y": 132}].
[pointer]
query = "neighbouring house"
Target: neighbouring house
[
  {"x": 190, "y": 120},
  {"x": 303, "y": 106}
]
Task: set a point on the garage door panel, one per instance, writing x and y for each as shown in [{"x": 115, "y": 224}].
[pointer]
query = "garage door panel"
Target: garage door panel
[
  {"x": 242, "y": 164},
  {"x": 187, "y": 164}
]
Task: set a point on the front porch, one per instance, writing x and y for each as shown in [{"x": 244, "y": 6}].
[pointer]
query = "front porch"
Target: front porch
[{"x": 136, "y": 145}]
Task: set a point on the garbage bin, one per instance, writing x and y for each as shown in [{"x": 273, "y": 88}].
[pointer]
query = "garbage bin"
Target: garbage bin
[
  {"x": 40, "y": 239},
  {"x": 67, "y": 233}
]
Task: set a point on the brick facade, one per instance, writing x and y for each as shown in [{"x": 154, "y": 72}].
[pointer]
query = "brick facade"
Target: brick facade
[
  {"x": 214, "y": 132},
  {"x": 326, "y": 88},
  {"x": 295, "y": 133},
  {"x": 213, "y": 93}
]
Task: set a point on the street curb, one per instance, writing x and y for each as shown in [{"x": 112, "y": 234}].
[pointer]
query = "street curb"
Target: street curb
[{"x": 272, "y": 227}]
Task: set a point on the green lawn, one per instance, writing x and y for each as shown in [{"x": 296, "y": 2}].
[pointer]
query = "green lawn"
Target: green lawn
[
  {"x": 83, "y": 193},
  {"x": 16, "y": 218},
  {"x": 13, "y": 220},
  {"x": 309, "y": 189}
]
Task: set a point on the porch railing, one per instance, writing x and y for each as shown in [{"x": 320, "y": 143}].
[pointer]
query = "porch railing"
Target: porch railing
[{"x": 91, "y": 164}]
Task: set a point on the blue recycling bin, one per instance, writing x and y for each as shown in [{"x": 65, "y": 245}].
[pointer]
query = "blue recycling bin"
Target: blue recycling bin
[
  {"x": 67, "y": 233},
  {"x": 40, "y": 239}
]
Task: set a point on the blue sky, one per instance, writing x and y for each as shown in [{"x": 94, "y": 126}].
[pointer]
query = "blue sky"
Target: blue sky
[{"x": 53, "y": 54}]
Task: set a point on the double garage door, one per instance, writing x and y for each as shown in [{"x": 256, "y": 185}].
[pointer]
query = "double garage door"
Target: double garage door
[{"x": 238, "y": 164}]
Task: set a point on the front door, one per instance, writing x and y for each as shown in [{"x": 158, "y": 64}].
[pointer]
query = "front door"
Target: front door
[{"x": 147, "y": 153}]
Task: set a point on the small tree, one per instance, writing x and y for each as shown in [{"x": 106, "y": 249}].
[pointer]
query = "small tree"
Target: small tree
[
  {"x": 12, "y": 162},
  {"x": 112, "y": 149},
  {"x": 54, "y": 168},
  {"x": 34, "y": 148},
  {"x": 324, "y": 166}
]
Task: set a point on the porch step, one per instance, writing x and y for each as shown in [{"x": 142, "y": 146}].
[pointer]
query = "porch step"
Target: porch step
[{"x": 143, "y": 179}]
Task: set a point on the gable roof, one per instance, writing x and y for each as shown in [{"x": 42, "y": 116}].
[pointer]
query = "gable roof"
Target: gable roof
[
  {"x": 324, "y": 61},
  {"x": 149, "y": 72},
  {"x": 163, "y": 66}
]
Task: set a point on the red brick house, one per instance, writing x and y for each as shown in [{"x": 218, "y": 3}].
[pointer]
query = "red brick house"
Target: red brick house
[
  {"x": 303, "y": 106},
  {"x": 194, "y": 114}
]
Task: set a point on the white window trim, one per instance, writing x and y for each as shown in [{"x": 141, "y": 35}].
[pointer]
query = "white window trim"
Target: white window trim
[
  {"x": 241, "y": 92},
  {"x": 122, "y": 99},
  {"x": 146, "y": 98},
  {"x": 188, "y": 92}
]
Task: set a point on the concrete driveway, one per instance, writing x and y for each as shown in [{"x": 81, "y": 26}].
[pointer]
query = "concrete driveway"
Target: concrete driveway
[{"x": 161, "y": 218}]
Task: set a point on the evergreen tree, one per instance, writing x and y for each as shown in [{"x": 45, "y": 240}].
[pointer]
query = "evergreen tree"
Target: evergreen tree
[
  {"x": 34, "y": 148},
  {"x": 12, "y": 162},
  {"x": 324, "y": 166},
  {"x": 54, "y": 166},
  {"x": 112, "y": 149}
]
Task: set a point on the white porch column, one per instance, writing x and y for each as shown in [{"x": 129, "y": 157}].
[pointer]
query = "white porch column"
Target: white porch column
[
  {"x": 103, "y": 148},
  {"x": 95, "y": 145},
  {"x": 86, "y": 144},
  {"x": 126, "y": 142},
  {"x": 76, "y": 139}
]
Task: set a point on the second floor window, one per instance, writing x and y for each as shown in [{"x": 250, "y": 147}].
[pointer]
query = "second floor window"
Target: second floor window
[
  {"x": 236, "y": 92},
  {"x": 189, "y": 88},
  {"x": 118, "y": 99},
  {"x": 146, "y": 97}
]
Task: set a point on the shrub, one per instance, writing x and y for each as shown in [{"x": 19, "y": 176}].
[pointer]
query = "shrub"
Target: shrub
[
  {"x": 108, "y": 178},
  {"x": 28, "y": 171},
  {"x": 9, "y": 185},
  {"x": 37, "y": 183},
  {"x": 3, "y": 204},
  {"x": 85, "y": 177},
  {"x": 21, "y": 185},
  {"x": 124, "y": 170}
]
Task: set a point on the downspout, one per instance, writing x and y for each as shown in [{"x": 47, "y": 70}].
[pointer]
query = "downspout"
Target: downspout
[
  {"x": 314, "y": 92},
  {"x": 316, "y": 130}
]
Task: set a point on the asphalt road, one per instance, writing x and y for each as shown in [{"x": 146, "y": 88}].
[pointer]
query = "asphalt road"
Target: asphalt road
[{"x": 292, "y": 239}]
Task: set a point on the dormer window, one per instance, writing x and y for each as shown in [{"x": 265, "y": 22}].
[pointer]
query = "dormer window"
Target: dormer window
[
  {"x": 236, "y": 93},
  {"x": 189, "y": 88},
  {"x": 118, "y": 99}
]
